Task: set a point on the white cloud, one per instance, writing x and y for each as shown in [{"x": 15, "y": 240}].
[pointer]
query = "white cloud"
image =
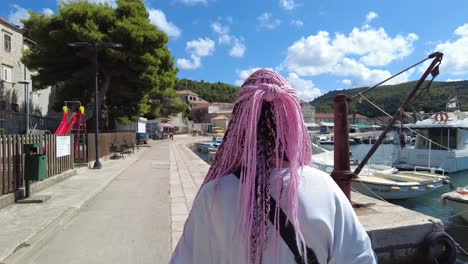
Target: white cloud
[
  {"x": 112, "y": 3},
  {"x": 238, "y": 49},
  {"x": 305, "y": 89},
  {"x": 312, "y": 55},
  {"x": 158, "y": 18},
  {"x": 371, "y": 16},
  {"x": 17, "y": 14},
  {"x": 349, "y": 55},
  {"x": 455, "y": 53},
  {"x": 201, "y": 47},
  {"x": 189, "y": 64},
  {"x": 244, "y": 74},
  {"x": 462, "y": 30},
  {"x": 377, "y": 48},
  {"x": 297, "y": 23},
  {"x": 193, "y": 2},
  {"x": 288, "y": 4},
  {"x": 346, "y": 82},
  {"x": 197, "y": 49},
  {"x": 454, "y": 80},
  {"x": 222, "y": 31},
  {"x": 47, "y": 11},
  {"x": 267, "y": 21}
]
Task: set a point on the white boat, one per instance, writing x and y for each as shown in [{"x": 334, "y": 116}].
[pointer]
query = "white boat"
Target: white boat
[
  {"x": 399, "y": 185},
  {"x": 442, "y": 143},
  {"x": 204, "y": 147},
  {"x": 383, "y": 181},
  {"x": 458, "y": 201}
]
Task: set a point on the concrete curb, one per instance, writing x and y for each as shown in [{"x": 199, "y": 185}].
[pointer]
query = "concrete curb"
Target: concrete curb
[{"x": 38, "y": 239}]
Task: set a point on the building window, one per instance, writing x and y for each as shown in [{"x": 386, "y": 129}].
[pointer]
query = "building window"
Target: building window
[
  {"x": 7, "y": 42},
  {"x": 7, "y": 73}
]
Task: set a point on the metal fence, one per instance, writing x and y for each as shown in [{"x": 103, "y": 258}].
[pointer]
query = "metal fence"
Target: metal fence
[
  {"x": 12, "y": 123},
  {"x": 12, "y": 159}
]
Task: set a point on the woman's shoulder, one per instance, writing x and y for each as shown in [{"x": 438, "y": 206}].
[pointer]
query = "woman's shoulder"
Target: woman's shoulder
[
  {"x": 315, "y": 179},
  {"x": 226, "y": 185}
]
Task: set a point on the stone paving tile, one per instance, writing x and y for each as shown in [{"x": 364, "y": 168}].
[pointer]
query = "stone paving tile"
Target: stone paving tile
[
  {"x": 187, "y": 173},
  {"x": 179, "y": 218},
  {"x": 179, "y": 209},
  {"x": 178, "y": 226}
]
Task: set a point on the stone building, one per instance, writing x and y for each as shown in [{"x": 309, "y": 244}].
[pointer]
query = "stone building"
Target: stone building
[
  {"x": 16, "y": 87},
  {"x": 191, "y": 98},
  {"x": 12, "y": 93},
  {"x": 308, "y": 112}
]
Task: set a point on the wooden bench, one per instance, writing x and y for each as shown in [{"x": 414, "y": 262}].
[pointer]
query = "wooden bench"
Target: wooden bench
[
  {"x": 128, "y": 148},
  {"x": 118, "y": 150}
]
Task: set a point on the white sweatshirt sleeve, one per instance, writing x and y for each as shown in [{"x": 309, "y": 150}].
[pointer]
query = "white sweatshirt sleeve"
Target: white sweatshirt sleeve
[{"x": 351, "y": 244}]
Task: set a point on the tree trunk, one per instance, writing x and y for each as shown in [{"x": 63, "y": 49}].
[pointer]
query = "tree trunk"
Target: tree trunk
[{"x": 104, "y": 89}]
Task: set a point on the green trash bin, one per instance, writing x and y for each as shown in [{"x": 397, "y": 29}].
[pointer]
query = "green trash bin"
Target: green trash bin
[{"x": 35, "y": 164}]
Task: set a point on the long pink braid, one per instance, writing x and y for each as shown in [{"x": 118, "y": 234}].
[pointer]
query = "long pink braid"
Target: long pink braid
[{"x": 240, "y": 150}]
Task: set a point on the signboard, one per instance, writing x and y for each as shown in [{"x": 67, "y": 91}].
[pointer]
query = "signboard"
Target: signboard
[
  {"x": 63, "y": 146},
  {"x": 141, "y": 127}
]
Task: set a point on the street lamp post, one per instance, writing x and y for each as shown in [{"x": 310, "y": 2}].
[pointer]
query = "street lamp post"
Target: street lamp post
[
  {"x": 97, "y": 163},
  {"x": 26, "y": 102}
]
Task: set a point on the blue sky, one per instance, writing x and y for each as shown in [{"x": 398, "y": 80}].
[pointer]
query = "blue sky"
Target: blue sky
[{"x": 318, "y": 46}]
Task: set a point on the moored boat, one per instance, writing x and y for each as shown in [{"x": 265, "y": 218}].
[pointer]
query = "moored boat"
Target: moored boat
[
  {"x": 442, "y": 143},
  {"x": 458, "y": 201},
  {"x": 383, "y": 181},
  {"x": 205, "y": 146}
]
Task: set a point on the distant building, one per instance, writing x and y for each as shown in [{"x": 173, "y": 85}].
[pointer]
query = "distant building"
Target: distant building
[
  {"x": 330, "y": 118},
  {"x": 408, "y": 118},
  {"x": 308, "y": 111},
  {"x": 221, "y": 121},
  {"x": 13, "y": 71},
  {"x": 225, "y": 109},
  {"x": 205, "y": 114},
  {"x": 13, "y": 90},
  {"x": 191, "y": 98},
  {"x": 200, "y": 113}
]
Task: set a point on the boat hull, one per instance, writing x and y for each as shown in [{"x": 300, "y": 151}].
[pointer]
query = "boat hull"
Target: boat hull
[
  {"x": 459, "y": 206},
  {"x": 386, "y": 192}
]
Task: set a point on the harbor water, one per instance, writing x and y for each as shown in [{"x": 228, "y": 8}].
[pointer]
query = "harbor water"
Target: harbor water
[{"x": 427, "y": 204}]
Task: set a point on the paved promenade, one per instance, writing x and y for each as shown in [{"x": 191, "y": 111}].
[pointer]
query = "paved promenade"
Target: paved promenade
[
  {"x": 131, "y": 211},
  {"x": 187, "y": 174}
]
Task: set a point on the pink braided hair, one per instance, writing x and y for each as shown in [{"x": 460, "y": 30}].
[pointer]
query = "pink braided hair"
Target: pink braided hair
[{"x": 267, "y": 119}]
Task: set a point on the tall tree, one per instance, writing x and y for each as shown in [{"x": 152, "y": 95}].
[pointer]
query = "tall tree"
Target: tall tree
[{"x": 134, "y": 79}]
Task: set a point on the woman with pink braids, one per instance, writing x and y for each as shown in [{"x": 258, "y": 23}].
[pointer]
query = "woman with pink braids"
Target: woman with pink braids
[{"x": 261, "y": 202}]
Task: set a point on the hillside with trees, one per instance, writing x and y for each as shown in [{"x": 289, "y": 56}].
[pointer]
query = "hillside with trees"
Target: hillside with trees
[
  {"x": 390, "y": 97},
  {"x": 212, "y": 92}
]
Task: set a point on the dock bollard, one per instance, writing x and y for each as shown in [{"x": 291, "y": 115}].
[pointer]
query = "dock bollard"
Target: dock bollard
[{"x": 341, "y": 171}]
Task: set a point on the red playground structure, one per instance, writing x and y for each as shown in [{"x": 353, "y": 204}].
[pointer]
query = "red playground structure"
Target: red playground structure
[{"x": 76, "y": 126}]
